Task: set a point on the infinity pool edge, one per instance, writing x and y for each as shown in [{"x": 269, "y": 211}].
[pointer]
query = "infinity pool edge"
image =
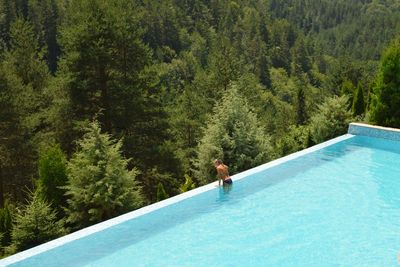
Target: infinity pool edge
[{"x": 150, "y": 208}]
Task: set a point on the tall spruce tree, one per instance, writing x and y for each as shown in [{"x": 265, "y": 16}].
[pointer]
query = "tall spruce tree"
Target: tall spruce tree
[
  {"x": 301, "y": 106},
  {"x": 386, "y": 92},
  {"x": 34, "y": 224},
  {"x": 161, "y": 194},
  {"x": 234, "y": 135},
  {"x": 105, "y": 74},
  {"x": 301, "y": 62},
  {"x": 331, "y": 119},
  {"x": 23, "y": 77},
  {"x": 103, "y": 62},
  {"x": 52, "y": 176},
  {"x": 6, "y": 220},
  {"x": 44, "y": 15},
  {"x": 99, "y": 184},
  {"x": 358, "y": 107}
]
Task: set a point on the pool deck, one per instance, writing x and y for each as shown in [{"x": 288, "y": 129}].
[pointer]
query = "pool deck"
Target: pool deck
[{"x": 354, "y": 129}]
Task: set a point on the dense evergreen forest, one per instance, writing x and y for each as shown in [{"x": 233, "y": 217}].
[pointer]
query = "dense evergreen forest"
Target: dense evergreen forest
[{"x": 107, "y": 106}]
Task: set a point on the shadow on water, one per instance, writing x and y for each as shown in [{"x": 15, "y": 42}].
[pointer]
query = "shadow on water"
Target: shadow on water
[{"x": 103, "y": 243}]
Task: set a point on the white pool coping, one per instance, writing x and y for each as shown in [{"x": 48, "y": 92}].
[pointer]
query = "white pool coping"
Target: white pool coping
[{"x": 139, "y": 212}]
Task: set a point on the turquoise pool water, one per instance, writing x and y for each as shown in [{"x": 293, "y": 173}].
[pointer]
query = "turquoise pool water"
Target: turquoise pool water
[{"x": 338, "y": 206}]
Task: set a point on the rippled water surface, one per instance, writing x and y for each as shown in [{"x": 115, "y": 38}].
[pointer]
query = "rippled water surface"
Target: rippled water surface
[{"x": 339, "y": 206}]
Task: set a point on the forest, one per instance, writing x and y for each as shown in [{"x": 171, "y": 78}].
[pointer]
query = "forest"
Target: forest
[{"x": 108, "y": 106}]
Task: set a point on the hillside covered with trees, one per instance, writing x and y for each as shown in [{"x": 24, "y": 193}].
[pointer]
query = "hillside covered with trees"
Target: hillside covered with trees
[{"x": 107, "y": 106}]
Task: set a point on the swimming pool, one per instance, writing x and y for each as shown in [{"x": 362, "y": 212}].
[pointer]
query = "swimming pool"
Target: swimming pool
[{"x": 335, "y": 206}]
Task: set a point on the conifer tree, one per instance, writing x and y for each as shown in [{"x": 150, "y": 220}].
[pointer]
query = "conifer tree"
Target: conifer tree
[
  {"x": 99, "y": 184},
  {"x": 358, "y": 107},
  {"x": 52, "y": 176},
  {"x": 331, "y": 119},
  {"x": 301, "y": 63},
  {"x": 25, "y": 58},
  {"x": 103, "y": 62},
  {"x": 44, "y": 15},
  {"x": 295, "y": 139},
  {"x": 386, "y": 92},
  {"x": 234, "y": 135},
  {"x": 301, "y": 106},
  {"x": 348, "y": 89},
  {"x": 187, "y": 185},
  {"x": 187, "y": 116},
  {"x": 35, "y": 224},
  {"x": 6, "y": 219},
  {"x": 224, "y": 63},
  {"x": 23, "y": 77},
  {"x": 105, "y": 74},
  {"x": 161, "y": 194}
]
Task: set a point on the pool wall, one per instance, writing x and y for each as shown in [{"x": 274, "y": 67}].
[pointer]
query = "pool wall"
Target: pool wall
[{"x": 374, "y": 131}]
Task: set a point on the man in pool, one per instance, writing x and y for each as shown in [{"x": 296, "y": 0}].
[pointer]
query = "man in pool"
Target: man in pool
[{"x": 222, "y": 173}]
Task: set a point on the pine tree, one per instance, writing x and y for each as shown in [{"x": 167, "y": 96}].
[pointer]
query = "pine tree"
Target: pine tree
[
  {"x": 23, "y": 77},
  {"x": 6, "y": 220},
  {"x": 161, "y": 194},
  {"x": 348, "y": 89},
  {"x": 105, "y": 74},
  {"x": 8, "y": 11},
  {"x": 44, "y": 16},
  {"x": 52, "y": 176},
  {"x": 295, "y": 139},
  {"x": 301, "y": 62},
  {"x": 187, "y": 185},
  {"x": 358, "y": 107},
  {"x": 265, "y": 77},
  {"x": 28, "y": 74},
  {"x": 234, "y": 135},
  {"x": 25, "y": 58},
  {"x": 12, "y": 139},
  {"x": 331, "y": 119},
  {"x": 99, "y": 184},
  {"x": 224, "y": 63},
  {"x": 35, "y": 224},
  {"x": 187, "y": 114},
  {"x": 150, "y": 179},
  {"x": 301, "y": 106},
  {"x": 384, "y": 109},
  {"x": 103, "y": 62}
]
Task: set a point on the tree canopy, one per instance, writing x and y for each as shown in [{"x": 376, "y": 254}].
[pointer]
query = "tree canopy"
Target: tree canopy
[{"x": 106, "y": 106}]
